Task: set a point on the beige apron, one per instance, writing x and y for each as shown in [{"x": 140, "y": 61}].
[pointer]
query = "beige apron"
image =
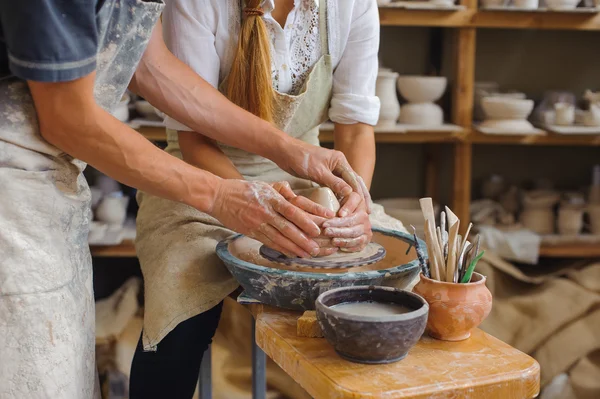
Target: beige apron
[
  {"x": 175, "y": 243},
  {"x": 46, "y": 298}
]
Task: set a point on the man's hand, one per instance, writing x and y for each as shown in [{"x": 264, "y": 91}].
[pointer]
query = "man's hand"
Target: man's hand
[{"x": 264, "y": 212}]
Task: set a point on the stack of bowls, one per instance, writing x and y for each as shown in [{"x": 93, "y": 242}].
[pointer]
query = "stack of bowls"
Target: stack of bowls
[
  {"x": 506, "y": 113},
  {"x": 421, "y": 92}
]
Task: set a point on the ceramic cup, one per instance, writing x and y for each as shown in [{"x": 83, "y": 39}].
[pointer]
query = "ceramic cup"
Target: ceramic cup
[
  {"x": 526, "y": 4},
  {"x": 564, "y": 114},
  {"x": 570, "y": 220},
  {"x": 455, "y": 309}
]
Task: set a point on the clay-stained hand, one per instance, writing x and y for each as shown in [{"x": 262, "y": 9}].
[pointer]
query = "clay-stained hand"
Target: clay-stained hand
[
  {"x": 262, "y": 212},
  {"x": 327, "y": 167},
  {"x": 353, "y": 232}
]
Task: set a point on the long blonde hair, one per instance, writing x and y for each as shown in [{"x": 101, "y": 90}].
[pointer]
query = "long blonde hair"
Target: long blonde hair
[{"x": 250, "y": 84}]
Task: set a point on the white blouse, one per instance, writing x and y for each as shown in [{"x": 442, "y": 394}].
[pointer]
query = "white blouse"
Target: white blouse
[{"x": 204, "y": 34}]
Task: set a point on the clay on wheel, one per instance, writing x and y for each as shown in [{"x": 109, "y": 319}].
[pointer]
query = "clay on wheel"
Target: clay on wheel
[{"x": 322, "y": 196}]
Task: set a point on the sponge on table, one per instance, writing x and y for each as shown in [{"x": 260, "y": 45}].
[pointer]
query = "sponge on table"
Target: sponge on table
[{"x": 308, "y": 326}]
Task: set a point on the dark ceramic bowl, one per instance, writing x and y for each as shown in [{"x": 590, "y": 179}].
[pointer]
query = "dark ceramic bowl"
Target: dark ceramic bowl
[{"x": 372, "y": 339}]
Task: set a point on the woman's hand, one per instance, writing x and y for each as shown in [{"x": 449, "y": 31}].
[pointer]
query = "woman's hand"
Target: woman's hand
[
  {"x": 326, "y": 167},
  {"x": 350, "y": 233}
]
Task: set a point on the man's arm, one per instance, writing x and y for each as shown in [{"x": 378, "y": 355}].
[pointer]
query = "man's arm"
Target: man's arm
[
  {"x": 174, "y": 88},
  {"x": 71, "y": 120}
]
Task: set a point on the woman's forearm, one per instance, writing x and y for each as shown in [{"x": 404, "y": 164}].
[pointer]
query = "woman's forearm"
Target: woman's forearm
[
  {"x": 203, "y": 153},
  {"x": 357, "y": 142}
]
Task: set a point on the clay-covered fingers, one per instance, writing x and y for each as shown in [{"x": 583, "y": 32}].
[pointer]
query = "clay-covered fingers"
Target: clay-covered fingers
[
  {"x": 312, "y": 207},
  {"x": 284, "y": 188},
  {"x": 296, "y": 216},
  {"x": 352, "y": 244},
  {"x": 282, "y": 237},
  {"x": 356, "y": 182},
  {"x": 350, "y": 204},
  {"x": 326, "y": 247}
]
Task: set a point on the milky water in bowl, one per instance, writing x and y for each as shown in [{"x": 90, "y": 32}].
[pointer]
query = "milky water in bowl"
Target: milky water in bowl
[{"x": 371, "y": 308}]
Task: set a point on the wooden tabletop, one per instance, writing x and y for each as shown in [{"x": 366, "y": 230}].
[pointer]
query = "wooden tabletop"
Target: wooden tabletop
[{"x": 480, "y": 367}]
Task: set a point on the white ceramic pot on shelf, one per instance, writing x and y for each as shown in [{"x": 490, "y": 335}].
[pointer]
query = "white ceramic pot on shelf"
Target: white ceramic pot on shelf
[
  {"x": 570, "y": 220},
  {"x": 426, "y": 114},
  {"x": 526, "y": 4},
  {"x": 494, "y": 3},
  {"x": 121, "y": 110},
  {"x": 386, "y": 91},
  {"x": 113, "y": 209},
  {"x": 592, "y": 117},
  {"x": 504, "y": 108},
  {"x": 422, "y": 89},
  {"x": 421, "y": 92},
  {"x": 564, "y": 114},
  {"x": 562, "y": 4}
]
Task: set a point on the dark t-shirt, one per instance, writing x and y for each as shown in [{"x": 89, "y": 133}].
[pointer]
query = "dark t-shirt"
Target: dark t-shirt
[{"x": 48, "y": 40}]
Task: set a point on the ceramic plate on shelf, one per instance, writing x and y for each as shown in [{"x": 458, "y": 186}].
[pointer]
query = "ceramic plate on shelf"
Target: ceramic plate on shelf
[
  {"x": 446, "y": 127},
  {"x": 578, "y": 10},
  {"x": 423, "y": 5},
  {"x": 532, "y": 131},
  {"x": 572, "y": 130}
]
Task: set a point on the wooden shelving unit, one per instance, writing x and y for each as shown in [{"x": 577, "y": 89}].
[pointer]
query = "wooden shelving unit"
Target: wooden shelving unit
[{"x": 464, "y": 24}]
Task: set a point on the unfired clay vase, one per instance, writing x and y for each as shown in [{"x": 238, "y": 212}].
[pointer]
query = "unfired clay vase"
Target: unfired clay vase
[
  {"x": 455, "y": 309},
  {"x": 538, "y": 215},
  {"x": 570, "y": 220},
  {"x": 323, "y": 196},
  {"x": 593, "y": 211},
  {"x": 564, "y": 114},
  {"x": 113, "y": 209},
  {"x": 386, "y": 91}
]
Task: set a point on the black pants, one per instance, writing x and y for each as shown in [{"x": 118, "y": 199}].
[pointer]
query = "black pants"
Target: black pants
[{"x": 172, "y": 371}]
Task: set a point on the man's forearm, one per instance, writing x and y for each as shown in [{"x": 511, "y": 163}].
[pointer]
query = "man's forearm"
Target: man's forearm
[
  {"x": 89, "y": 133},
  {"x": 174, "y": 88},
  {"x": 357, "y": 142}
]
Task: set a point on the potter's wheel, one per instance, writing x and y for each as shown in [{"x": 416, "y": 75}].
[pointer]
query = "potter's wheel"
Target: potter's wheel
[
  {"x": 297, "y": 287},
  {"x": 372, "y": 253}
]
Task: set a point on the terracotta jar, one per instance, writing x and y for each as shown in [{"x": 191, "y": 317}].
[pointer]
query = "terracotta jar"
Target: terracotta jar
[
  {"x": 455, "y": 309},
  {"x": 538, "y": 214}
]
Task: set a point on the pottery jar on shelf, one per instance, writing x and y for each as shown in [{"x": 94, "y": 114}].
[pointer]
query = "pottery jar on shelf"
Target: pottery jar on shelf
[
  {"x": 386, "y": 91},
  {"x": 593, "y": 211},
  {"x": 113, "y": 209},
  {"x": 538, "y": 212},
  {"x": 570, "y": 219},
  {"x": 455, "y": 309}
]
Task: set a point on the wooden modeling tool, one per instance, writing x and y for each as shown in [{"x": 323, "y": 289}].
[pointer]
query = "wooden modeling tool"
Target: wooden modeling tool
[{"x": 452, "y": 249}]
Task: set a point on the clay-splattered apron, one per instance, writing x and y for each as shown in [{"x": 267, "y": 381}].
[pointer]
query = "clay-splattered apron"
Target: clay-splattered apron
[
  {"x": 175, "y": 243},
  {"x": 46, "y": 298}
]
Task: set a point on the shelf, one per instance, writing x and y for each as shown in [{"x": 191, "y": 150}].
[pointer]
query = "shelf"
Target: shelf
[
  {"x": 572, "y": 250},
  {"x": 549, "y": 139},
  {"x": 326, "y": 136},
  {"x": 124, "y": 250},
  {"x": 509, "y": 19}
]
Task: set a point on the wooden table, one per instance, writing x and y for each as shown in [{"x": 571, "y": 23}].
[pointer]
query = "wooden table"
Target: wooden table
[{"x": 480, "y": 367}]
